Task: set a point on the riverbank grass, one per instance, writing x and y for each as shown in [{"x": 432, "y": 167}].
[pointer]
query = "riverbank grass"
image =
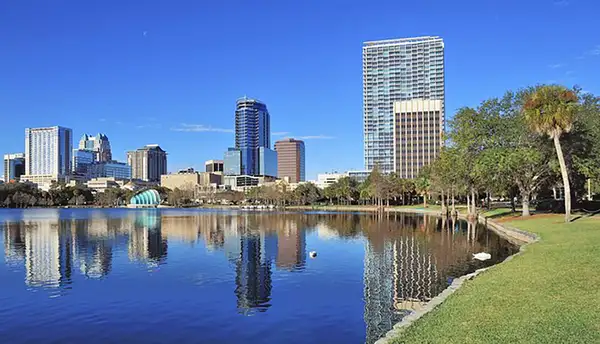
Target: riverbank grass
[{"x": 549, "y": 294}]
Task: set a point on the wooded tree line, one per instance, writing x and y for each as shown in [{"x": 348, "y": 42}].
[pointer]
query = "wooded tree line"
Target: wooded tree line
[
  {"x": 23, "y": 195},
  {"x": 378, "y": 189},
  {"x": 521, "y": 144}
]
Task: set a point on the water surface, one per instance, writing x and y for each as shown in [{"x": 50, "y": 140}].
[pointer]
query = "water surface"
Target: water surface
[{"x": 197, "y": 276}]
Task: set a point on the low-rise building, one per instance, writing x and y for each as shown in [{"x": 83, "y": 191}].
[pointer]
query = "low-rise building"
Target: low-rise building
[
  {"x": 326, "y": 179},
  {"x": 44, "y": 181},
  {"x": 244, "y": 182},
  {"x": 190, "y": 181},
  {"x": 359, "y": 176},
  {"x": 214, "y": 166},
  {"x": 103, "y": 183}
]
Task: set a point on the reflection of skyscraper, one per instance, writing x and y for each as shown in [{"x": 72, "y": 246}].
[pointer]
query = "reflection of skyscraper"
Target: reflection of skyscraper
[
  {"x": 48, "y": 254},
  {"x": 379, "y": 315},
  {"x": 96, "y": 260},
  {"x": 291, "y": 247},
  {"x": 14, "y": 243},
  {"x": 399, "y": 278},
  {"x": 253, "y": 277}
]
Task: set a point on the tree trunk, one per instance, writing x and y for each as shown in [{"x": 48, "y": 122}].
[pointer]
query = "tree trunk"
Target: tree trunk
[
  {"x": 565, "y": 177},
  {"x": 424, "y": 200},
  {"x": 443, "y": 203},
  {"x": 468, "y": 204},
  {"x": 473, "y": 202},
  {"x": 525, "y": 201},
  {"x": 453, "y": 205}
]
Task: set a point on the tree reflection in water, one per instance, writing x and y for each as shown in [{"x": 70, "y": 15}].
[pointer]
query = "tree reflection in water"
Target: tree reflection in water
[{"x": 408, "y": 258}]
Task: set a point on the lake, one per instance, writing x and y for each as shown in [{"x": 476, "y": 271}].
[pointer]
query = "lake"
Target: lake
[{"x": 211, "y": 276}]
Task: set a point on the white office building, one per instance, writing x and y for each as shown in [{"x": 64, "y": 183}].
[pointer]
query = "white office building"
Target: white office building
[
  {"x": 397, "y": 70},
  {"x": 47, "y": 154}
]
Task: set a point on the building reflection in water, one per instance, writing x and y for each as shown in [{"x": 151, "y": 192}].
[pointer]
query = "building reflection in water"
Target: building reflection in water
[
  {"x": 146, "y": 243},
  {"x": 407, "y": 259},
  {"x": 410, "y": 259},
  {"x": 48, "y": 250}
]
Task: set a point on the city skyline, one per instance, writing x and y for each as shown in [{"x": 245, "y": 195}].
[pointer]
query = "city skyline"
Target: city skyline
[{"x": 163, "y": 89}]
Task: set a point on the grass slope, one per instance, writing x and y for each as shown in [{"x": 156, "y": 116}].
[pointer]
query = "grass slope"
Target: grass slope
[{"x": 549, "y": 294}]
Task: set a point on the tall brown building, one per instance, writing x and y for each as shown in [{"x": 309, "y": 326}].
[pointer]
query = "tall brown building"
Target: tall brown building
[
  {"x": 147, "y": 163},
  {"x": 418, "y": 130},
  {"x": 290, "y": 160}
]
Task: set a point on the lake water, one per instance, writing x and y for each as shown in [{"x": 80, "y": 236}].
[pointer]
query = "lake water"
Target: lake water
[{"x": 200, "y": 276}]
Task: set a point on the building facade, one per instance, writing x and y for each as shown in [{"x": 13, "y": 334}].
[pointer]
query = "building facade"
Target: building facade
[
  {"x": 109, "y": 169},
  {"x": 47, "y": 154},
  {"x": 267, "y": 162},
  {"x": 417, "y": 135},
  {"x": 190, "y": 181},
  {"x": 397, "y": 70},
  {"x": 252, "y": 131},
  {"x": 326, "y": 179},
  {"x": 14, "y": 166},
  {"x": 232, "y": 162},
  {"x": 359, "y": 176},
  {"x": 245, "y": 182},
  {"x": 82, "y": 159},
  {"x": 147, "y": 163},
  {"x": 98, "y": 144},
  {"x": 213, "y": 166},
  {"x": 291, "y": 160}
]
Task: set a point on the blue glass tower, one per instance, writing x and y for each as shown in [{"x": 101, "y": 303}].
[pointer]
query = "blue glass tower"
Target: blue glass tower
[{"x": 252, "y": 131}]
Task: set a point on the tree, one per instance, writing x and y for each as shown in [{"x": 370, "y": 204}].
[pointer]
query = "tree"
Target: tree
[
  {"x": 377, "y": 185},
  {"x": 423, "y": 184},
  {"x": 306, "y": 193},
  {"x": 551, "y": 110}
]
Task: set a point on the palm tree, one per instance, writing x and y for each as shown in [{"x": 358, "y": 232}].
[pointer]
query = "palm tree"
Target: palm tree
[
  {"x": 551, "y": 110},
  {"x": 423, "y": 184}
]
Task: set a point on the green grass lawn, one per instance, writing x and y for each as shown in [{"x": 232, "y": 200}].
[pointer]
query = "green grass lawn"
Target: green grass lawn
[{"x": 549, "y": 294}]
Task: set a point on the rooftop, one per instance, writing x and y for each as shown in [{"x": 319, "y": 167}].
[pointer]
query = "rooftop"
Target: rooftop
[{"x": 402, "y": 41}]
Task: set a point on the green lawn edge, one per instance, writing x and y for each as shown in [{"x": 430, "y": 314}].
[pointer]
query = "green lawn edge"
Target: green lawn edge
[{"x": 548, "y": 294}]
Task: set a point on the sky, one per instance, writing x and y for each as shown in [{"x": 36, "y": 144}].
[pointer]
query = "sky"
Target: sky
[{"x": 169, "y": 72}]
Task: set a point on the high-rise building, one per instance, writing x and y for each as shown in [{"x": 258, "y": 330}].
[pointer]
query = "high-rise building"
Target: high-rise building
[
  {"x": 14, "y": 166},
  {"x": 417, "y": 135},
  {"x": 213, "y": 166},
  {"x": 47, "y": 154},
  {"x": 98, "y": 144},
  {"x": 290, "y": 160},
  {"x": 397, "y": 70},
  {"x": 82, "y": 159},
  {"x": 252, "y": 131},
  {"x": 147, "y": 163}
]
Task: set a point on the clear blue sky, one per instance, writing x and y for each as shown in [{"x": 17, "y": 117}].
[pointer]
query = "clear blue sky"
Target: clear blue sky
[{"x": 139, "y": 70}]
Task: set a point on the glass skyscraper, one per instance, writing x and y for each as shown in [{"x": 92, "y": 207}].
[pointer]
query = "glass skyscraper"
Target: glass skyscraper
[
  {"x": 252, "y": 131},
  {"x": 393, "y": 71}
]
